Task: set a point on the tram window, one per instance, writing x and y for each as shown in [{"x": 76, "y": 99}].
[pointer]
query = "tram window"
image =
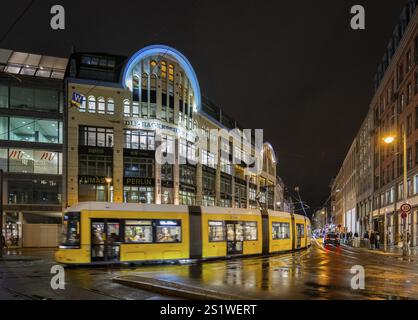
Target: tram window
[
  {"x": 216, "y": 231},
  {"x": 250, "y": 231},
  {"x": 71, "y": 229},
  {"x": 138, "y": 232},
  {"x": 168, "y": 231},
  {"x": 281, "y": 231}
]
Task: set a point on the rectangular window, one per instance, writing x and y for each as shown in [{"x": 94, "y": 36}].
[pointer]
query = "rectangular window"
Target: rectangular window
[
  {"x": 208, "y": 201},
  {"x": 138, "y": 167},
  {"x": 300, "y": 230},
  {"x": 209, "y": 181},
  {"x": 167, "y": 172},
  {"x": 38, "y": 191},
  {"x": 250, "y": 231},
  {"x": 71, "y": 229},
  {"x": 226, "y": 166},
  {"x": 187, "y": 198},
  {"x": 226, "y": 186},
  {"x": 34, "y": 99},
  {"x": 143, "y": 195},
  {"x": 168, "y": 231},
  {"x": 139, "y": 140},
  {"x": 281, "y": 231},
  {"x": 94, "y": 165},
  {"x": 96, "y": 137},
  {"x": 4, "y": 96},
  {"x": 138, "y": 232},
  {"x": 217, "y": 231},
  {"x": 188, "y": 175},
  {"x": 409, "y": 125},
  {"x": 32, "y": 130}
]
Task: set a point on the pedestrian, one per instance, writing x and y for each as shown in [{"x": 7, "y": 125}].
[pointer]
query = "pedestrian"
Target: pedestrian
[
  {"x": 408, "y": 240},
  {"x": 377, "y": 240},
  {"x": 372, "y": 240},
  {"x": 366, "y": 239},
  {"x": 356, "y": 240},
  {"x": 3, "y": 240}
]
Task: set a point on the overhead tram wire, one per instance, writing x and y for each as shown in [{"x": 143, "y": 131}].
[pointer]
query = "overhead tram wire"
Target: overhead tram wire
[
  {"x": 16, "y": 21},
  {"x": 4, "y": 36}
]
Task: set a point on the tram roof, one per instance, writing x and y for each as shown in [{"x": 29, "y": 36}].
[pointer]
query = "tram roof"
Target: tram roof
[{"x": 133, "y": 207}]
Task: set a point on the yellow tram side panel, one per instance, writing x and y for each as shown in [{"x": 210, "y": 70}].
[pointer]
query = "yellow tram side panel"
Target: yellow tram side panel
[
  {"x": 282, "y": 245},
  {"x": 219, "y": 249},
  {"x": 130, "y": 252}
]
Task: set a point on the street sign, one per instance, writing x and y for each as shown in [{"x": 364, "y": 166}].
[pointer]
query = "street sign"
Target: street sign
[
  {"x": 406, "y": 208},
  {"x": 404, "y": 215}
]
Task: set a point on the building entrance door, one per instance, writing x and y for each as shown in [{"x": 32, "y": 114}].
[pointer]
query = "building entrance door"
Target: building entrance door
[
  {"x": 105, "y": 240},
  {"x": 234, "y": 237}
]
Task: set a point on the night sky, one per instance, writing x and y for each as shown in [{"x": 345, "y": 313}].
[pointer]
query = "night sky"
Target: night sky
[{"x": 293, "y": 68}]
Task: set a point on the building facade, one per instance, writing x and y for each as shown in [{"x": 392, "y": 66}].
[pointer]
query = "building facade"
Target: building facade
[
  {"x": 31, "y": 146},
  {"x": 141, "y": 132},
  {"x": 393, "y": 111}
]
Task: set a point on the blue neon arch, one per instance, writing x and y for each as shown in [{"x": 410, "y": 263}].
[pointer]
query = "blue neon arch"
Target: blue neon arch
[{"x": 164, "y": 50}]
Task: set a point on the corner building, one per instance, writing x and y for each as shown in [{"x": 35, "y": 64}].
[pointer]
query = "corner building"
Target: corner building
[{"x": 135, "y": 111}]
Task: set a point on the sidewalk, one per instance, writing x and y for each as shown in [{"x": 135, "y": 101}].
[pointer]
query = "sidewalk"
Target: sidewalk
[
  {"x": 10, "y": 255},
  {"x": 390, "y": 250}
]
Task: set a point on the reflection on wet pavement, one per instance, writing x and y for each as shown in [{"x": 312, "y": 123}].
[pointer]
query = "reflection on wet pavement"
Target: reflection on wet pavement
[{"x": 317, "y": 273}]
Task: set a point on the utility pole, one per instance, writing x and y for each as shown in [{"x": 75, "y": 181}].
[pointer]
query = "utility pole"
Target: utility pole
[{"x": 405, "y": 190}]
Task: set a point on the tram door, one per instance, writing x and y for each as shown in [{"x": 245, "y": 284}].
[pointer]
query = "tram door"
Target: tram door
[
  {"x": 105, "y": 240},
  {"x": 299, "y": 235},
  {"x": 234, "y": 237}
]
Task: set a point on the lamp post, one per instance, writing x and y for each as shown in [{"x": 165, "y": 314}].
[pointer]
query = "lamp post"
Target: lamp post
[
  {"x": 109, "y": 181},
  {"x": 390, "y": 140}
]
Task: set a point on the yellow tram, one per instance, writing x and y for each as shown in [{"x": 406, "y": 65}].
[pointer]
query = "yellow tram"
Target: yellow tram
[{"x": 127, "y": 233}]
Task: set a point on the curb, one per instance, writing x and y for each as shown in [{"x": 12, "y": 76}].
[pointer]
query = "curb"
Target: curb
[{"x": 173, "y": 289}]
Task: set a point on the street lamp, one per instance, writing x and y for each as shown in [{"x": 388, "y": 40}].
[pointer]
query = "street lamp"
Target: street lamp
[
  {"x": 390, "y": 140},
  {"x": 108, "y": 181}
]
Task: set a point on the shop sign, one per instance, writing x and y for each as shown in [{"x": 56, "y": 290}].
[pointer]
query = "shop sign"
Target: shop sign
[
  {"x": 142, "y": 182},
  {"x": 92, "y": 180},
  {"x": 95, "y": 151},
  {"x": 158, "y": 125}
]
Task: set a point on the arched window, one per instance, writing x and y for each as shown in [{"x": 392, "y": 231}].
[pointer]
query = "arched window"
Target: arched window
[
  {"x": 101, "y": 105},
  {"x": 153, "y": 64},
  {"x": 110, "y": 106},
  {"x": 127, "y": 108},
  {"x": 144, "y": 92},
  {"x": 135, "y": 88},
  {"x": 83, "y": 105},
  {"x": 171, "y": 73},
  {"x": 163, "y": 70},
  {"x": 92, "y": 104},
  {"x": 153, "y": 91}
]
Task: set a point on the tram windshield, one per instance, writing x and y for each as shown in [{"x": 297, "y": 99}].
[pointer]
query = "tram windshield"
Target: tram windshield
[{"x": 71, "y": 230}]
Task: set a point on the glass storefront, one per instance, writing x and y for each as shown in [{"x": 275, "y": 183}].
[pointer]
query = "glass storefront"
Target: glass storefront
[
  {"x": 143, "y": 195},
  {"x": 35, "y": 99},
  {"x": 167, "y": 196},
  {"x": 187, "y": 198},
  {"x": 31, "y": 130},
  {"x": 31, "y": 161},
  {"x": 138, "y": 167},
  {"x": 88, "y": 192},
  {"x": 34, "y": 192}
]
